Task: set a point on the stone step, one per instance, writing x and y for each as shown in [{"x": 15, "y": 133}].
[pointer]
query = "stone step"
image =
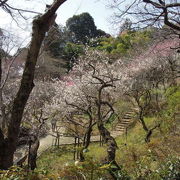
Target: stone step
[
  {"x": 120, "y": 128},
  {"x": 130, "y": 113},
  {"x": 117, "y": 127},
  {"x": 121, "y": 125},
  {"x": 118, "y": 132},
  {"x": 126, "y": 117},
  {"x": 125, "y": 120},
  {"x": 124, "y": 123}
]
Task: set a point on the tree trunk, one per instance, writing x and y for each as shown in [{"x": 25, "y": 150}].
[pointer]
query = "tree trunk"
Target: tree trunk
[
  {"x": 23, "y": 94},
  {"x": 149, "y": 133},
  {"x": 86, "y": 143},
  {"x": 141, "y": 118},
  {"x": 148, "y": 136},
  {"x": 33, "y": 154},
  {"x": 107, "y": 138},
  {"x": 144, "y": 124},
  {"x": 2, "y": 106},
  {"x": 110, "y": 141},
  {"x": 40, "y": 26},
  {"x": 5, "y": 153},
  {"x": 111, "y": 150}
]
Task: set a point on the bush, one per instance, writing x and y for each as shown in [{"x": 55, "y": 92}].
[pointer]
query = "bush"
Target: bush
[
  {"x": 17, "y": 173},
  {"x": 170, "y": 170},
  {"x": 88, "y": 169}
]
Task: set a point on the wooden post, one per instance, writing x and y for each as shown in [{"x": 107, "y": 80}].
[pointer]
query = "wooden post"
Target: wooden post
[
  {"x": 58, "y": 138},
  {"x": 56, "y": 141},
  {"x": 74, "y": 148},
  {"x": 126, "y": 137},
  {"x": 100, "y": 141},
  {"x": 78, "y": 147}
]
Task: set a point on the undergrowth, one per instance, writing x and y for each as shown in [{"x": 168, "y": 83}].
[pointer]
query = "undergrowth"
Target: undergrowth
[{"x": 157, "y": 160}]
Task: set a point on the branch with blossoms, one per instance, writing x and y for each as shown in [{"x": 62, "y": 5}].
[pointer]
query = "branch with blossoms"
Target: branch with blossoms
[{"x": 101, "y": 79}]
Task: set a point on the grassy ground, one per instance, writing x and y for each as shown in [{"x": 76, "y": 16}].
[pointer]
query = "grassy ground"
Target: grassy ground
[
  {"x": 137, "y": 158},
  {"x": 157, "y": 160}
]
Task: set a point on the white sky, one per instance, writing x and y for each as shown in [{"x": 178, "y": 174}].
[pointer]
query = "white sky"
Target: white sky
[{"x": 96, "y": 8}]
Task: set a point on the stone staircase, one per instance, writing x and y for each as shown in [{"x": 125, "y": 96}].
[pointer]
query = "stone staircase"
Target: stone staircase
[
  {"x": 123, "y": 124},
  {"x": 46, "y": 142}
]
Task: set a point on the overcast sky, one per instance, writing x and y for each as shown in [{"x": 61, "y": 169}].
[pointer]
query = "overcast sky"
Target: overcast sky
[
  {"x": 96, "y": 8},
  {"x": 22, "y": 28}
]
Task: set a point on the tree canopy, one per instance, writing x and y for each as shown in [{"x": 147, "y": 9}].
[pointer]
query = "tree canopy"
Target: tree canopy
[{"x": 83, "y": 28}]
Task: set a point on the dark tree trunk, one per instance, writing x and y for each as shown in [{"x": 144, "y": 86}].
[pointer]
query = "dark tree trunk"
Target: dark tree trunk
[
  {"x": 141, "y": 118},
  {"x": 1, "y": 120},
  {"x": 2, "y": 106},
  {"x": 110, "y": 141},
  {"x": 22, "y": 95},
  {"x": 111, "y": 150},
  {"x": 149, "y": 133},
  {"x": 40, "y": 26},
  {"x": 107, "y": 138},
  {"x": 148, "y": 136},
  {"x": 157, "y": 98},
  {"x": 5, "y": 154},
  {"x": 86, "y": 143},
  {"x": 33, "y": 154},
  {"x": 144, "y": 124}
]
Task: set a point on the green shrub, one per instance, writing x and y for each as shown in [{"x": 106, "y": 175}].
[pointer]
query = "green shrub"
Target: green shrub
[
  {"x": 173, "y": 97},
  {"x": 88, "y": 169},
  {"x": 170, "y": 170},
  {"x": 17, "y": 173}
]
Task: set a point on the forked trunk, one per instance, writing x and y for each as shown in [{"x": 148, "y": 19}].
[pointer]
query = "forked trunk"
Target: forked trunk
[{"x": 149, "y": 133}]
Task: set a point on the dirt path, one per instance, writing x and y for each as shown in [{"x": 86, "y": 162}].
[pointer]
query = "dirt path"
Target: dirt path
[{"x": 47, "y": 141}]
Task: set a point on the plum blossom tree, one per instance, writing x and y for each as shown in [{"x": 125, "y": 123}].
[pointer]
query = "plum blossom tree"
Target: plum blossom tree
[
  {"x": 9, "y": 74},
  {"x": 92, "y": 94},
  {"x": 8, "y": 141},
  {"x": 148, "y": 76}
]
